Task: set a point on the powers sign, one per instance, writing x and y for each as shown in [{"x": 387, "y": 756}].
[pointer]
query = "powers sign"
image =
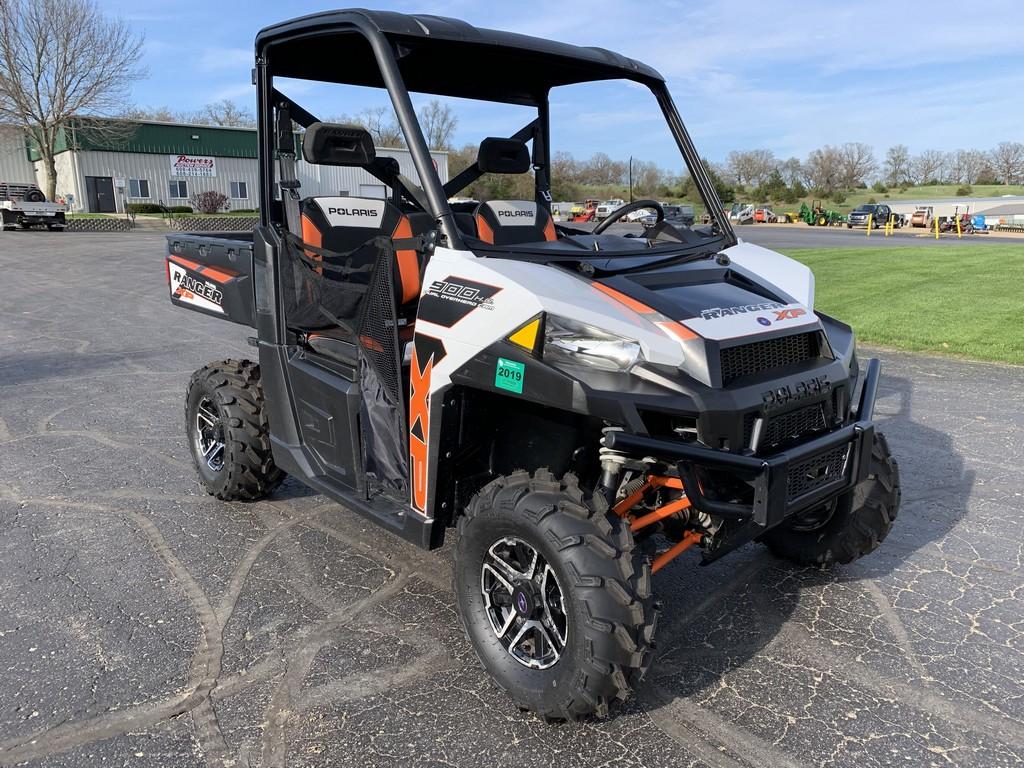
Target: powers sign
[{"x": 193, "y": 165}]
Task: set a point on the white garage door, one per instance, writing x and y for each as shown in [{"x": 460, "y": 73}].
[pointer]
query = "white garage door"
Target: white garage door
[{"x": 378, "y": 191}]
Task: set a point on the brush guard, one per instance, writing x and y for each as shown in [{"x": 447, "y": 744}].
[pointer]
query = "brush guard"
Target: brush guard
[{"x": 836, "y": 462}]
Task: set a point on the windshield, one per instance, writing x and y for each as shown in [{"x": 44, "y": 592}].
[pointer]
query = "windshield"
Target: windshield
[{"x": 511, "y": 186}]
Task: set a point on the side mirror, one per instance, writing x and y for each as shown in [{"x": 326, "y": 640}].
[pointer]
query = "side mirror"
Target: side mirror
[
  {"x": 503, "y": 156},
  {"x": 334, "y": 144}
]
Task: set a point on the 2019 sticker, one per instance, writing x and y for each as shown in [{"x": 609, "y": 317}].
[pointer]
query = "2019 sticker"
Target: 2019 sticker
[{"x": 509, "y": 374}]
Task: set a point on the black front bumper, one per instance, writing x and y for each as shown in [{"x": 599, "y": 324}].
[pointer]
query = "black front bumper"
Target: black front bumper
[{"x": 785, "y": 483}]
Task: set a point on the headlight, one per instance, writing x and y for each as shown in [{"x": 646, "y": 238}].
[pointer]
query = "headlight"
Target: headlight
[{"x": 572, "y": 343}]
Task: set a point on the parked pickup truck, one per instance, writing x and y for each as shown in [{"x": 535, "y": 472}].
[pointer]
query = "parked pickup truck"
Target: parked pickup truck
[
  {"x": 24, "y": 205},
  {"x": 878, "y": 214},
  {"x": 604, "y": 210}
]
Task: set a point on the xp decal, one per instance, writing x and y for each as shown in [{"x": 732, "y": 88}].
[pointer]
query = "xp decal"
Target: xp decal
[{"x": 747, "y": 319}]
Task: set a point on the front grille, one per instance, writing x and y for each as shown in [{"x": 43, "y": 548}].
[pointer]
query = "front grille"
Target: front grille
[
  {"x": 798, "y": 423},
  {"x": 762, "y": 356},
  {"x": 815, "y": 472}
]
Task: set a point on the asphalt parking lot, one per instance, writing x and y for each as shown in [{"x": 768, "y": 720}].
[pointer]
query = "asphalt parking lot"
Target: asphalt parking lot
[{"x": 143, "y": 623}]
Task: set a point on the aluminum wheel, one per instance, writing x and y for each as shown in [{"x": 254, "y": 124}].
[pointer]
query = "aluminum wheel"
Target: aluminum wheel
[
  {"x": 524, "y": 602},
  {"x": 209, "y": 434}
]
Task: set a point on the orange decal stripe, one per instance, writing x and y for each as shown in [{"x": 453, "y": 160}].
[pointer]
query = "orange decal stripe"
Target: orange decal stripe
[
  {"x": 419, "y": 386},
  {"x": 677, "y": 330},
  {"x": 549, "y": 230},
  {"x": 220, "y": 275},
  {"x": 181, "y": 261},
  {"x": 636, "y": 306}
]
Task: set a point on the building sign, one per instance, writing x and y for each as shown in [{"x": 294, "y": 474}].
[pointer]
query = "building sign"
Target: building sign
[{"x": 193, "y": 165}]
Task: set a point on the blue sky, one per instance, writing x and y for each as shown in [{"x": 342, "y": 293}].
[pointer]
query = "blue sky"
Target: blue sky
[{"x": 782, "y": 76}]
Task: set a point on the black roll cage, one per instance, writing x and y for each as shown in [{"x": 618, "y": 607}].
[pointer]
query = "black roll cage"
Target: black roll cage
[{"x": 386, "y": 46}]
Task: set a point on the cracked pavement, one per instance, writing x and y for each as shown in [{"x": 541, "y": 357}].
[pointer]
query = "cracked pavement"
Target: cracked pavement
[{"x": 143, "y": 623}]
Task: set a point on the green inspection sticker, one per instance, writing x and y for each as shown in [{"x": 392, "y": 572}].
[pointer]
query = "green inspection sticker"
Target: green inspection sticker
[{"x": 509, "y": 375}]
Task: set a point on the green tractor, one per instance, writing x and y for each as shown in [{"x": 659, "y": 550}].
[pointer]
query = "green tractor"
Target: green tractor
[{"x": 817, "y": 215}]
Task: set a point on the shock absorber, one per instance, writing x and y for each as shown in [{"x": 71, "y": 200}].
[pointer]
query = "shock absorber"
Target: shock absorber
[{"x": 612, "y": 462}]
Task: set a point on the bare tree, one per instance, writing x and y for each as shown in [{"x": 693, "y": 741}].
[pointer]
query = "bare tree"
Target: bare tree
[
  {"x": 602, "y": 170},
  {"x": 897, "y": 164},
  {"x": 60, "y": 59},
  {"x": 225, "y": 113},
  {"x": 927, "y": 167},
  {"x": 966, "y": 166},
  {"x": 750, "y": 166},
  {"x": 857, "y": 163},
  {"x": 974, "y": 165},
  {"x": 825, "y": 169},
  {"x": 438, "y": 122},
  {"x": 160, "y": 114},
  {"x": 648, "y": 178},
  {"x": 793, "y": 171},
  {"x": 1008, "y": 161},
  {"x": 380, "y": 122}
]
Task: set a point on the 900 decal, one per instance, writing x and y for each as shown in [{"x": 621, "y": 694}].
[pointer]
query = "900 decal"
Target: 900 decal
[{"x": 447, "y": 301}]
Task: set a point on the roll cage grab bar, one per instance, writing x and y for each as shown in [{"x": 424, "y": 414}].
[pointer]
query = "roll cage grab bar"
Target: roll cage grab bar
[{"x": 270, "y": 99}]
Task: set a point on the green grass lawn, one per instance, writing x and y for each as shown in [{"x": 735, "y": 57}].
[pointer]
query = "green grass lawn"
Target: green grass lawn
[{"x": 964, "y": 300}]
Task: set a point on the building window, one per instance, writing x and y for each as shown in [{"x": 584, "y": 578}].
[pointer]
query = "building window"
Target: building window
[
  {"x": 239, "y": 190},
  {"x": 179, "y": 190},
  {"x": 138, "y": 188}
]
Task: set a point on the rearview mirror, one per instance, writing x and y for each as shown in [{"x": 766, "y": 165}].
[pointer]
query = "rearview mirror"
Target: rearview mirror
[{"x": 334, "y": 144}]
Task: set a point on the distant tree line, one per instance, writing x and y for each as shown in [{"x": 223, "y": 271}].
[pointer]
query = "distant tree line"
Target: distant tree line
[
  {"x": 831, "y": 171},
  {"x": 224, "y": 113}
]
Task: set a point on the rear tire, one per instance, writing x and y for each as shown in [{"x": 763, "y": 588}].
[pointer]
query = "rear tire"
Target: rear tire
[
  {"x": 228, "y": 432},
  {"x": 859, "y": 522},
  {"x": 605, "y": 615}
]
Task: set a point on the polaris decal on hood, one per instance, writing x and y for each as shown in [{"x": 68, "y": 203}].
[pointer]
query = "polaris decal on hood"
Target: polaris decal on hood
[{"x": 748, "y": 320}]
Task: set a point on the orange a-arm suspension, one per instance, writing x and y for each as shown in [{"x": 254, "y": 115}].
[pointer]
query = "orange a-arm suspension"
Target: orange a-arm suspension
[{"x": 623, "y": 508}]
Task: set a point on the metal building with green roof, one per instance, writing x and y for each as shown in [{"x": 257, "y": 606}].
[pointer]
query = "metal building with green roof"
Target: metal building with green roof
[{"x": 102, "y": 165}]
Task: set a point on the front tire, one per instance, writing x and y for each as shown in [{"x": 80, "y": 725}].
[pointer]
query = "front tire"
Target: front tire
[
  {"x": 852, "y": 525},
  {"x": 589, "y": 616},
  {"x": 228, "y": 432}
]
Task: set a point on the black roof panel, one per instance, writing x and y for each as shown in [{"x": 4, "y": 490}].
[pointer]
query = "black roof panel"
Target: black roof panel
[{"x": 437, "y": 55}]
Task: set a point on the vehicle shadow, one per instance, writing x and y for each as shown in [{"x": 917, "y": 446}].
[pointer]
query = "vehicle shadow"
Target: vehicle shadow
[{"x": 718, "y": 619}]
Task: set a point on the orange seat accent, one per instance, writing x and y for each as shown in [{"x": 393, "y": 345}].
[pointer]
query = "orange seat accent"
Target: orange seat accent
[
  {"x": 549, "y": 230},
  {"x": 484, "y": 231},
  {"x": 408, "y": 263},
  {"x": 313, "y": 236}
]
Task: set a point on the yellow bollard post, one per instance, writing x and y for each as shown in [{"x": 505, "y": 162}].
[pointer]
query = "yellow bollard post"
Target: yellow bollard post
[
  {"x": 959, "y": 233},
  {"x": 870, "y": 218},
  {"x": 936, "y": 227}
]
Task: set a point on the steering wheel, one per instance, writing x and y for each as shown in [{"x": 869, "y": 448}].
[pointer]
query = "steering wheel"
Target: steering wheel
[{"x": 618, "y": 213}]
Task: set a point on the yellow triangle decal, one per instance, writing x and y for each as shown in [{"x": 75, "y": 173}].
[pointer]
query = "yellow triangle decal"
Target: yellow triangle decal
[{"x": 526, "y": 337}]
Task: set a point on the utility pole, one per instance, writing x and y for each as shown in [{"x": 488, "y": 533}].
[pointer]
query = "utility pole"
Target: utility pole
[{"x": 631, "y": 178}]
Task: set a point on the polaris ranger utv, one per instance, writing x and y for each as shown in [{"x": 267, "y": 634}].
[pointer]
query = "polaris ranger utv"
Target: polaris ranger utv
[{"x": 576, "y": 407}]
